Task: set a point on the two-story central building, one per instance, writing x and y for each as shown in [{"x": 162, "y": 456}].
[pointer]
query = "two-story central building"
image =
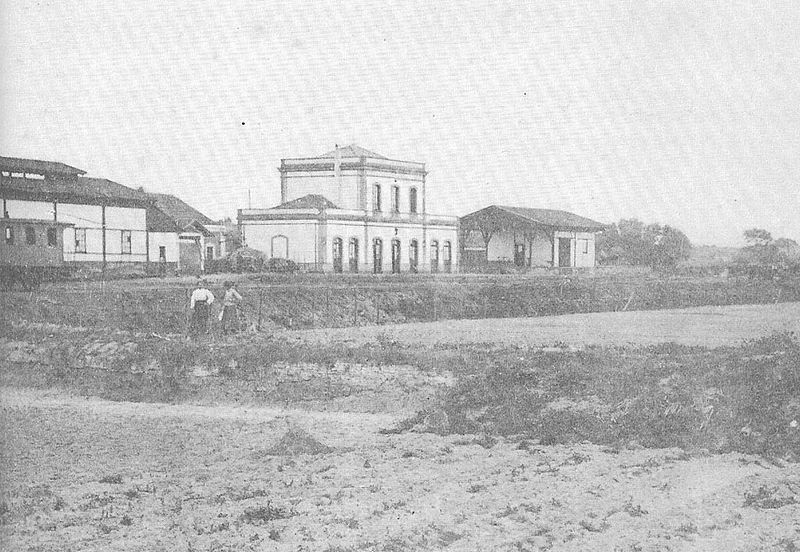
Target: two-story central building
[{"x": 352, "y": 210}]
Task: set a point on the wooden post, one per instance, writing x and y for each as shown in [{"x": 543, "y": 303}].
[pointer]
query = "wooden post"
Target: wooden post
[{"x": 260, "y": 303}]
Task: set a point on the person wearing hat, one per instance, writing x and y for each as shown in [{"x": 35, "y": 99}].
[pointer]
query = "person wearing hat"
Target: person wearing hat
[{"x": 200, "y": 304}]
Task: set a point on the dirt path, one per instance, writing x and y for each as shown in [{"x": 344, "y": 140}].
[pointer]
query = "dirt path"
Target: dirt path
[
  {"x": 708, "y": 326},
  {"x": 79, "y": 474}
]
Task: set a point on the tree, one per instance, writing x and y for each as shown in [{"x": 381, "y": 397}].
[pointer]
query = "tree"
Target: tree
[
  {"x": 632, "y": 242},
  {"x": 757, "y": 237}
]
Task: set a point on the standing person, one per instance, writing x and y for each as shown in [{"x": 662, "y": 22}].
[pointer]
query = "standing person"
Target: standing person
[
  {"x": 200, "y": 305},
  {"x": 230, "y": 306}
]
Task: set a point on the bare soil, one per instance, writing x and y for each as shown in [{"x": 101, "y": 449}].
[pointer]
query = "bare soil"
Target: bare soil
[
  {"x": 86, "y": 474},
  {"x": 705, "y": 326}
]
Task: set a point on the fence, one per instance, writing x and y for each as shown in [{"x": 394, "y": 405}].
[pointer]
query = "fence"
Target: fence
[{"x": 160, "y": 307}]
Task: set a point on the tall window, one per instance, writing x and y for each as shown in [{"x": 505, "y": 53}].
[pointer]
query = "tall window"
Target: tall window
[
  {"x": 209, "y": 252},
  {"x": 162, "y": 253},
  {"x": 413, "y": 256},
  {"x": 412, "y": 200},
  {"x": 395, "y": 199},
  {"x": 30, "y": 235},
  {"x": 377, "y": 256},
  {"x": 80, "y": 240},
  {"x": 447, "y": 256},
  {"x": 434, "y": 256},
  {"x": 52, "y": 237},
  {"x": 353, "y": 254},
  {"x": 10, "y": 235},
  {"x": 376, "y": 198},
  {"x": 126, "y": 241}
]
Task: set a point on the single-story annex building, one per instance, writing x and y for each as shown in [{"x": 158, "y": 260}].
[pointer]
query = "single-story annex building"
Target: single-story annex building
[
  {"x": 98, "y": 223},
  {"x": 527, "y": 238}
]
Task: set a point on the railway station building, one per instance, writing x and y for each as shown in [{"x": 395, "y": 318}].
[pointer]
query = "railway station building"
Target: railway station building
[
  {"x": 524, "y": 238},
  {"x": 353, "y": 210}
]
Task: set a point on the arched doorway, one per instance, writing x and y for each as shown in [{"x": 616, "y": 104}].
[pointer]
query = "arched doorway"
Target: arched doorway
[
  {"x": 447, "y": 256},
  {"x": 377, "y": 256},
  {"x": 337, "y": 254},
  {"x": 280, "y": 247},
  {"x": 434, "y": 256},
  {"x": 353, "y": 255},
  {"x": 413, "y": 256},
  {"x": 395, "y": 256}
]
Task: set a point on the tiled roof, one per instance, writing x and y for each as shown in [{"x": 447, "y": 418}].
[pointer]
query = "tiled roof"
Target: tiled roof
[
  {"x": 80, "y": 189},
  {"x": 554, "y": 217},
  {"x": 352, "y": 151},
  {"x": 541, "y": 217},
  {"x": 310, "y": 201},
  {"x": 158, "y": 221},
  {"x": 179, "y": 211},
  {"x": 35, "y": 166}
]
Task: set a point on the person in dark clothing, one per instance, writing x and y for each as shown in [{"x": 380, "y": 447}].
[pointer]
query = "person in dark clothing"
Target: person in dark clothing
[{"x": 200, "y": 304}]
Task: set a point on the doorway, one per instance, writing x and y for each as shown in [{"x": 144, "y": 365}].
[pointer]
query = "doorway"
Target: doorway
[
  {"x": 395, "y": 256},
  {"x": 564, "y": 252},
  {"x": 377, "y": 256},
  {"x": 337, "y": 255},
  {"x": 519, "y": 254}
]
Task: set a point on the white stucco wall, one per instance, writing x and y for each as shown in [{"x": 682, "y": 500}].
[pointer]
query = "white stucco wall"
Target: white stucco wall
[
  {"x": 30, "y": 209},
  {"x": 169, "y": 240},
  {"x": 301, "y": 237}
]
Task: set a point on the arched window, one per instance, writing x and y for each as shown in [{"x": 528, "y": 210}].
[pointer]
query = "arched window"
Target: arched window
[
  {"x": 377, "y": 256},
  {"x": 353, "y": 254},
  {"x": 376, "y": 198},
  {"x": 434, "y": 256},
  {"x": 396, "y": 256},
  {"x": 413, "y": 256},
  {"x": 337, "y": 254},
  {"x": 412, "y": 200},
  {"x": 280, "y": 247},
  {"x": 447, "y": 256}
]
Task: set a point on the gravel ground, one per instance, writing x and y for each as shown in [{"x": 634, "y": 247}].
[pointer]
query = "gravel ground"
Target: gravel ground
[
  {"x": 707, "y": 326},
  {"x": 80, "y": 474}
]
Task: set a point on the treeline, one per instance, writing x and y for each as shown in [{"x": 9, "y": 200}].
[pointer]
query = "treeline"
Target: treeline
[{"x": 632, "y": 242}]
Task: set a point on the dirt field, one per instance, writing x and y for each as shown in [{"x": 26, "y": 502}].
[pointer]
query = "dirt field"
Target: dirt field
[
  {"x": 707, "y": 326},
  {"x": 93, "y": 475}
]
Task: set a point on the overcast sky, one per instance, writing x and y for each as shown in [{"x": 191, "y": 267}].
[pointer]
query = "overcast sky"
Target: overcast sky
[{"x": 684, "y": 113}]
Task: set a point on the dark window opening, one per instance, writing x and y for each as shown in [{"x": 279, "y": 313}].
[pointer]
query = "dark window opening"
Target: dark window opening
[
  {"x": 52, "y": 237},
  {"x": 413, "y": 256},
  {"x": 162, "y": 253},
  {"x": 377, "y": 256},
  {"x": 30, "y": 235},
  {"x": 337, "y": 255},
  {"x": 376, "y": 198},
  {"x": 80, "y": 240},
  {"x": 396, "y": 256},
  {"x": 353, "y": 254},
  {"x": 209, "y": 252},
  {"x": 412, "y": 200},
  {"x": 519, "y": 254},
  {"x": 434, "y": 256},
  {"x": 127, "y": 241}
]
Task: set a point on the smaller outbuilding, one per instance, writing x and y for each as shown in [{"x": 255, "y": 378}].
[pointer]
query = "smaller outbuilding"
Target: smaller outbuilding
[{"x": 526, "y": 238}]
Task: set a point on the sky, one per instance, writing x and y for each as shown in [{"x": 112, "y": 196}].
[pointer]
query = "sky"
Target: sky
[{"x": 684, "y": 113}]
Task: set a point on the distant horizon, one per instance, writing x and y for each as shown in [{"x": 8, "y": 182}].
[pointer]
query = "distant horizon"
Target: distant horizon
[{"x": 681, "y": 113}]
